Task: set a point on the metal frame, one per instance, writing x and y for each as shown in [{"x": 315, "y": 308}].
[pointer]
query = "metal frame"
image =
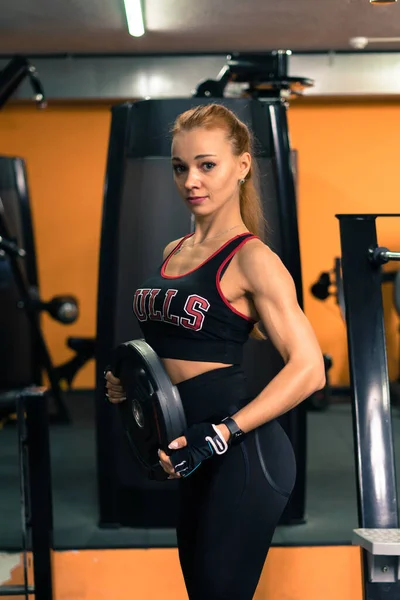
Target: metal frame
[
  {"x": 107, "y": 473},
  {"x": 372, "y": 427},
  {"x": 126, "y": 77},
  {"x": 35, "y": 489},
  {"x": 296, "y": 419}
]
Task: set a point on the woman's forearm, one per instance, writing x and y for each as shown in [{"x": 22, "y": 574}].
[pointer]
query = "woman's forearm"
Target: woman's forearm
[{"x": 287, "y": 389}]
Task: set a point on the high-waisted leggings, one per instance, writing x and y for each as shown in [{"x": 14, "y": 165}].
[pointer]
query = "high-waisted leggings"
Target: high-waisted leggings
[{"x": 230, "y": 506}]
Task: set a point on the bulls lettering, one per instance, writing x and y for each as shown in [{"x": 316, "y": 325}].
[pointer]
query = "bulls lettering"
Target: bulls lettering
[{"x": 195, "y": 307}]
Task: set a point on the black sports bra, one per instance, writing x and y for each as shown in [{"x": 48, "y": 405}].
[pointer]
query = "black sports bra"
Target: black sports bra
[{"x": 187, "y": 317}]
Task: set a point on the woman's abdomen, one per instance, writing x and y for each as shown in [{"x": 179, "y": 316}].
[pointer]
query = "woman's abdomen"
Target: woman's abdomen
[{"x": 182, "y": 370}]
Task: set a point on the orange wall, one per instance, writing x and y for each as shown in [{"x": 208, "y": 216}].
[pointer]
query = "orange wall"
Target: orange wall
[
  {"x": 313, "y": 573},
  {"x": 66, "y": 151},
  {"x": 347, "y": 163}
]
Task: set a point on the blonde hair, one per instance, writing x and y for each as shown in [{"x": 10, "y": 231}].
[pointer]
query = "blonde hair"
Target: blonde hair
[{"x": 214, "y": 116}]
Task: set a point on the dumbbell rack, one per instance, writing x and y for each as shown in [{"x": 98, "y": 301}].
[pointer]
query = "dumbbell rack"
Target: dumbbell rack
[{"x": 35, "y": 490}]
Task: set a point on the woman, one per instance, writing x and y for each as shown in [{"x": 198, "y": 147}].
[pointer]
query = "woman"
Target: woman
[{"x": 197, "y": 311}]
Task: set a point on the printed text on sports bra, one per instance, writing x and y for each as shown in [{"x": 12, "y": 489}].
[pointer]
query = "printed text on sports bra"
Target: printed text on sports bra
[{"x": 195, "y": 308}]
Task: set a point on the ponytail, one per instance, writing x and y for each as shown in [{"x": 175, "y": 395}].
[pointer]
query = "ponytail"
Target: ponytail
[
  {"x": 253, "y": 217},
  {"x": 250, "y": 205}
]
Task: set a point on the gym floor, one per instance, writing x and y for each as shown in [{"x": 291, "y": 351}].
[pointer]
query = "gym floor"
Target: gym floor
[{"x": 331, "y": 488}]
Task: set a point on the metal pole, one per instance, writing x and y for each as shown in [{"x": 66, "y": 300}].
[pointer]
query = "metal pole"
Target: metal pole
[
  {"x": 296, "y": 419},
  {"x": 373, "y": 439},
  {"x": 381, "y": 255},
  {"x": 106, "y": 421},
  {"x": 40, "y": 490},
  {"x": 24, "y": 483}
]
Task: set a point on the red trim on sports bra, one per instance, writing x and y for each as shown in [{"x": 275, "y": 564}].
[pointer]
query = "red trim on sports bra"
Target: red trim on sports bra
[
  {"x": 218, "y": 280},
  {"x": 165, "y": 264}
]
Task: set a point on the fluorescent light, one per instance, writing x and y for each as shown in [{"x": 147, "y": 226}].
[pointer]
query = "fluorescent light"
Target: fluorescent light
[
  {"x": 359, "y": 43},
  {"x": 134, "y": 17}
]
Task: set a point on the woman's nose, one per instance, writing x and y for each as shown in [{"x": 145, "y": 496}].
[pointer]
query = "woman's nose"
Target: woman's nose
[{"x": 192, "y": 179}]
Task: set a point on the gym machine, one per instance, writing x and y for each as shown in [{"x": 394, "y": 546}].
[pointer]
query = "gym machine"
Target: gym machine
[
  {"x": 13, "y": 74},
  {"x": 330, "y": 283},
  {"x": 378, "y": 534},
  {"x": 142, "y": 213},
  {"x": 18, "y": 273},
  {"x": 24, "y": 353}
]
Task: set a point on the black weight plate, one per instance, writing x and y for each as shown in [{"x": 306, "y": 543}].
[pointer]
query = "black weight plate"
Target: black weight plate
[{"x": 152, "y": 414}]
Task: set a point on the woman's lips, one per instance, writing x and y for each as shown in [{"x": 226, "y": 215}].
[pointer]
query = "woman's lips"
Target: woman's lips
[{"x": 196, "y": 199}]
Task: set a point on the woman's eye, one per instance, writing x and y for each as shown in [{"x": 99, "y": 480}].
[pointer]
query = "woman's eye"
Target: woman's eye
[{"x": 206, "y": 166}]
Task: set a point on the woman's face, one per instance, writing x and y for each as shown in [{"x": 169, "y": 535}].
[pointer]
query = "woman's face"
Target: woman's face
[{"x": 206, "y": 171}]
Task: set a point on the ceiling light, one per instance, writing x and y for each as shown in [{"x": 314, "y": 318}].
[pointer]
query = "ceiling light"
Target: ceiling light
[
  {"x": 134, "y": 17},
  {"x": 382, "y": 1},
  {"x": 359, "y": 43}
]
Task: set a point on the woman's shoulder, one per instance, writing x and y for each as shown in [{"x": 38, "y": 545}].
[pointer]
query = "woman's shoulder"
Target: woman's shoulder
[
  {"x": 254, "y": 246},
  {"x": 257, "y": 250},
  {"x": 256, "y": 260}
]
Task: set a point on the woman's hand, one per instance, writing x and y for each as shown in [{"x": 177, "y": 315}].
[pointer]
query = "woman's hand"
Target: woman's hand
[
  {"x": 116, "y": 394},
  {"x": 166, "y": 464},
  {"x": 191, "y": 457},
  {"x": 165, "y": 460},
  {"x": 115, "y": 391}
]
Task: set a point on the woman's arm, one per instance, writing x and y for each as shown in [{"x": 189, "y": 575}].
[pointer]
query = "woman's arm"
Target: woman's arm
[{"x": 273, "y": 293}]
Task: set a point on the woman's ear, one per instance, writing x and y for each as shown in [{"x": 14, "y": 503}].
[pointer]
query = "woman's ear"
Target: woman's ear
[{"x": 244, "y": 164}]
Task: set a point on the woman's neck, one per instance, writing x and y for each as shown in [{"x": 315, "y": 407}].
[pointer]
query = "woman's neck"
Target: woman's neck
[{"x": 217, "y": 224}]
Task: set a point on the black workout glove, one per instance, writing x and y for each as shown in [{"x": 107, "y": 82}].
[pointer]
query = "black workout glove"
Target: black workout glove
[{"x": 203, "y": 441}]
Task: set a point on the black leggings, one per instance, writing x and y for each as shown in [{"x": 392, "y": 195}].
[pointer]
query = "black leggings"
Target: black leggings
[{"x": 231, "y": 505}]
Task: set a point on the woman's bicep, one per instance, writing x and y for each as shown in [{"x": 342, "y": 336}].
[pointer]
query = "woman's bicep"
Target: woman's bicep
[
  {"x": 287, "y": 326},
  {"x": 274, "y": 296}
]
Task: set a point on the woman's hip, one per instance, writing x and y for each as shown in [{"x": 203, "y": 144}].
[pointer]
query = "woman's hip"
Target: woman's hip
[{"x": 264, "y": 458}]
